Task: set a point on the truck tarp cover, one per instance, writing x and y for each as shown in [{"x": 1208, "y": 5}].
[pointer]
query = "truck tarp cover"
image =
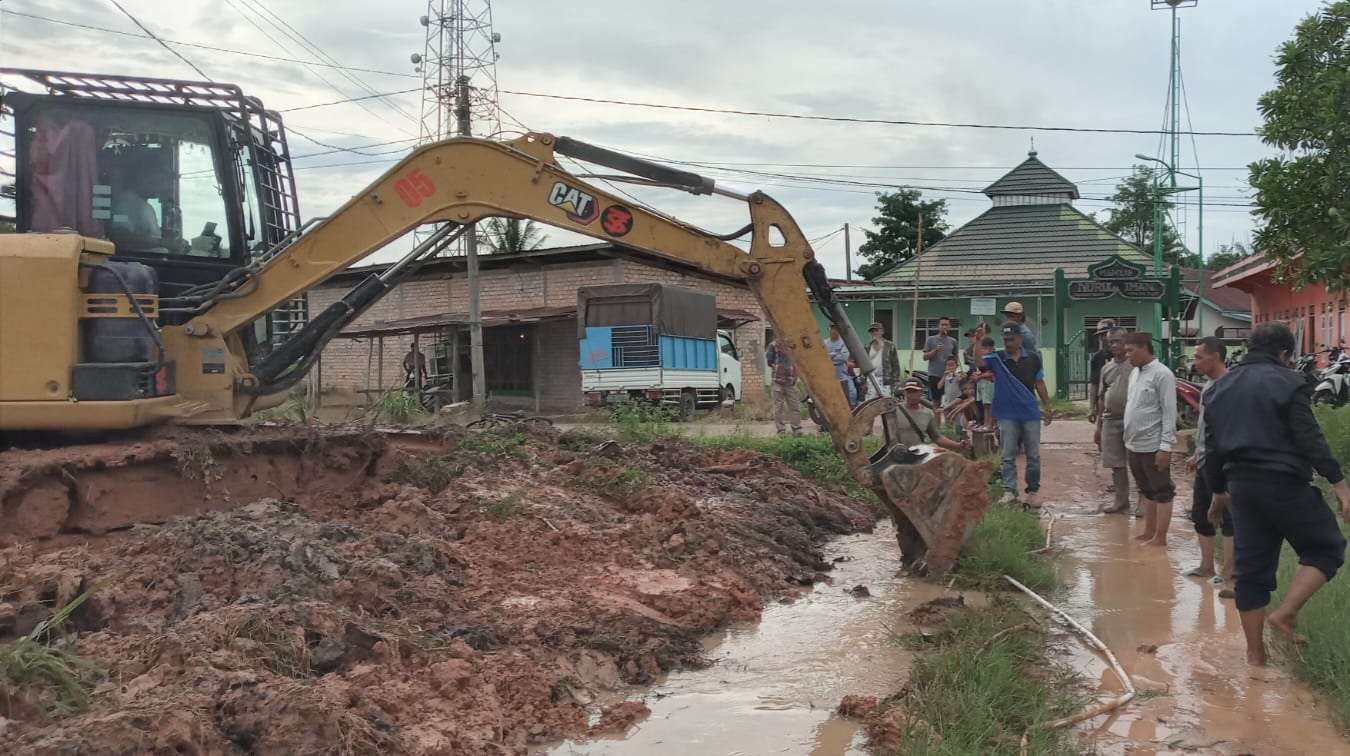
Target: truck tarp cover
[{"x": 674, "y": 310}]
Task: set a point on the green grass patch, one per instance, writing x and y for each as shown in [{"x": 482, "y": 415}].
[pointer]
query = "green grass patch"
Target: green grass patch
[
  {"x": 640, "y": 422},
  {"x": 981, "y": 688},
  {"x": 495, "y": 443},
  {"x": 1001, "y": 545},
  {"x": 502, "y": 509},
  {"x": 627, "y": 482},
  {"x": 43, "y": 668},
  {"x": 397, "y": 406},
  {"x": 813, "y": 456}
]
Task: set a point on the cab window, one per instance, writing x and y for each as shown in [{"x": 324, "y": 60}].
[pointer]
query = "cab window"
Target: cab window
[
  {"x": 149, "y": 181},
  {"x": 728, "y": 348}
]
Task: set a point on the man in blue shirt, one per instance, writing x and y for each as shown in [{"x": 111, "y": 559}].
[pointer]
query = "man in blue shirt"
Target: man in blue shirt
[{"x": 1019, "y": 379}]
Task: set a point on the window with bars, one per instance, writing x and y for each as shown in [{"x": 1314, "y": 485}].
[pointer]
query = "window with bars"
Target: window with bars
[{"x": 925, "y": 327}]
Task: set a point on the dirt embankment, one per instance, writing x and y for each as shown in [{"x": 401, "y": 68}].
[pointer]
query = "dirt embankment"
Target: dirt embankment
[{"x": 469, "y": 599}]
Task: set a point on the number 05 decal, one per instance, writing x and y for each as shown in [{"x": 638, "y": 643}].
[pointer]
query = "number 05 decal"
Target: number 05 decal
[{"x": 414, "y": 187}]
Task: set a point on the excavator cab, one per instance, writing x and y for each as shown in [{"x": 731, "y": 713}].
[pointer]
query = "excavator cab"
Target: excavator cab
[{"x": 191, "y": 179}]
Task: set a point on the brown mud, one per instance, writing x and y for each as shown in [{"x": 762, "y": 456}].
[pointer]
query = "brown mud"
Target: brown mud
[
  {"x": 775, "y": 684},
  {"x": 367, "y": 594},
  {"x": 1177, "y": 639}
]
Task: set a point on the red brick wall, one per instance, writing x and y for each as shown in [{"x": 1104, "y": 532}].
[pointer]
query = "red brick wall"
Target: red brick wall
[{"x": 525, "y": 285}]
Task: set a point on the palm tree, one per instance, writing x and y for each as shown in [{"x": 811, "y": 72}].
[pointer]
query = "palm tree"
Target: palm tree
[{"x": 511, "y": 235}]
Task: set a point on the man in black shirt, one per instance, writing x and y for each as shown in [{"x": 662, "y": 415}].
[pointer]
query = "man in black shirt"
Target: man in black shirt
[
  {"x": 1095, "y": 364},
  {"x": 1262, "y": 444}
]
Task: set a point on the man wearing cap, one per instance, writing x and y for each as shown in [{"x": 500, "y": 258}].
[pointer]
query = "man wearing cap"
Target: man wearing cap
[
  {"x": 1014, "y": 313},
  {"x": 936, "y": 349},
  {"x": 923, "y": 417},
  {"x": 1095, "y": 365},
  {"x": 1113, "y": 392},
  {"x": 1018, "y": 380},
  {"x": 884, "y": 359}
]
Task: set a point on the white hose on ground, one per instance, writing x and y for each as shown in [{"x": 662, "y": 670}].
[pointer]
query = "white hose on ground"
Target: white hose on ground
[{"x": 1096, "y": 643}]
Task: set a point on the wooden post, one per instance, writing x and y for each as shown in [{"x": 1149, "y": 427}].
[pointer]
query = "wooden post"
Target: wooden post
[
  {"x": 914, "y": 312},
  {"x": 370, "y": 360},
  {"x": 534, "y": 367},
  {"x": 379, "y": 379}
]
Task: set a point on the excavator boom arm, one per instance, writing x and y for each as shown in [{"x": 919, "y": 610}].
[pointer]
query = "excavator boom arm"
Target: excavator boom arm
[{"x": 460, "y": 181}]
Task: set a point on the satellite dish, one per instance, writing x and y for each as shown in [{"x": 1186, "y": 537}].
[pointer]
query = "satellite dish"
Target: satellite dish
[
  {"x": 424, "y": 21},
  {"x": 416, "y": 58},
  {"x": 496, "y": 36}
]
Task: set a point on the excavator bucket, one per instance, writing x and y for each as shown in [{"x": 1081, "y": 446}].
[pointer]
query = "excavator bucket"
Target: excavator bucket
[
  {"x": 936, "y": 501},
  {"x": 935, "y": 497}
]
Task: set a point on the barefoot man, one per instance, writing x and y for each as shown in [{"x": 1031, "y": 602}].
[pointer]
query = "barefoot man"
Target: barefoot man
[
  {"x": 1150, "y": 432},
  {"x": 1262, "y": 444},
  {"x": 1210, "y": 355}
]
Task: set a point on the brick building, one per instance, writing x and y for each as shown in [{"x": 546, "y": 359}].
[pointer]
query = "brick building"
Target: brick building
[{"x": 528, "y": 302}]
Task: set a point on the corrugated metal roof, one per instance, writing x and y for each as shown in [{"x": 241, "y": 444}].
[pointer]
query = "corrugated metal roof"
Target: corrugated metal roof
[
  {"x": 1021, "y": 243},
  {"x": 1032, "y": 177}
]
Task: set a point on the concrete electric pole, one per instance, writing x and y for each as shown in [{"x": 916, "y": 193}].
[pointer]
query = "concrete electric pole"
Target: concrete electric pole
[{"x": 459, "y": 87}]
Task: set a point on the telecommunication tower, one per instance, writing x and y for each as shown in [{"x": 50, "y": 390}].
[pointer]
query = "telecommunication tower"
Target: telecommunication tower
[
  {"x": 458, "y": 64},
  {"x": 459, "y": 97},
  {"x": 1173, "y": 125}
]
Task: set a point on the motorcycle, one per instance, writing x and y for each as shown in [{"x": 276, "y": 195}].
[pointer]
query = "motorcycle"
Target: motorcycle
[
  {"x": 1333, "y": 385},
  {"x": 1188, "y": 400}
]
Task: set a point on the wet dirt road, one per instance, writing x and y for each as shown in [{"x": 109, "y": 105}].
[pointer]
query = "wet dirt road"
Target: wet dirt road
[
  {"x": 1203, "y": 698},
  {"x": 774, "y": 685}
]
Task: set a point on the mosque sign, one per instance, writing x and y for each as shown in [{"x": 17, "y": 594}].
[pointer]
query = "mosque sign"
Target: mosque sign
[{"x": 1117, "y": 276}]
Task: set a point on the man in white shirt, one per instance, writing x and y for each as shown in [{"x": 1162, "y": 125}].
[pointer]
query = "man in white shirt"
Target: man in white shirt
[{"x": 1150, "y": 433}]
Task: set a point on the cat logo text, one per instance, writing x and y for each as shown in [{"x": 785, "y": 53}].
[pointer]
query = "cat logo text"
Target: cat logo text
[{"x": 578, "y": 205}]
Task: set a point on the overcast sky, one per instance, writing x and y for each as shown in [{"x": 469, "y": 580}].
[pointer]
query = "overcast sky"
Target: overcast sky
[{"x": 1079, "y": 63}]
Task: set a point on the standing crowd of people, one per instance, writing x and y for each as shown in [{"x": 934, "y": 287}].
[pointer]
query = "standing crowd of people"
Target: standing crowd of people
[{"x": 1257, "y": 445}]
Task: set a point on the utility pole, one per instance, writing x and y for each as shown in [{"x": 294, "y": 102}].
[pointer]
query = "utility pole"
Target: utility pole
[
  {"x": 471, "y": 264},
  {"x": 914, "y": 311},
  {"x": 458, "y": 64},
  {"x": 848, "y": 256}
]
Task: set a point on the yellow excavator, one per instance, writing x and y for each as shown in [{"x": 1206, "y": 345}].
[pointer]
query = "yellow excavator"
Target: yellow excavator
[{"x": 159, "y": 267}]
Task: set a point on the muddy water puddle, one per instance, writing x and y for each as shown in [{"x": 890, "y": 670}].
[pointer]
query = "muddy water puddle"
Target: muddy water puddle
[
  {"x": 1180, "y": 642},
  {"x": 773, "y": 685}
]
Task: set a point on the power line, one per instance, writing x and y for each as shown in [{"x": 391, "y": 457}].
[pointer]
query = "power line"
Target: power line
[
  {"x": 280, "y": 45},
  {"x": 860, "y": 119},
  {"x": 200, "y": 46},
  {"x": 347, "y": 100},
  {"x": 309, "y": 46},
  {"x": 161, "y": 42}
]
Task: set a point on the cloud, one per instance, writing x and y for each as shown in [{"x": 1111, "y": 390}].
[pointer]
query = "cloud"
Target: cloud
[{"x": 1057, "y": 62}]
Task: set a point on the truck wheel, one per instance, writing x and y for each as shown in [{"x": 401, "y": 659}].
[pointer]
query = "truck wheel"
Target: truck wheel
[
  {"x": 728, "y": 393},
  {"x": 688, "y": 404}
]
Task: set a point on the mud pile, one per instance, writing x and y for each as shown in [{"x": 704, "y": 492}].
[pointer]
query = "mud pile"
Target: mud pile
[{"x": 467, "y": 597}]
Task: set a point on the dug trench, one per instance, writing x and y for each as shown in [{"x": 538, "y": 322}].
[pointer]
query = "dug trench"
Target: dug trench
[{"x": 275, "y": 592}]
